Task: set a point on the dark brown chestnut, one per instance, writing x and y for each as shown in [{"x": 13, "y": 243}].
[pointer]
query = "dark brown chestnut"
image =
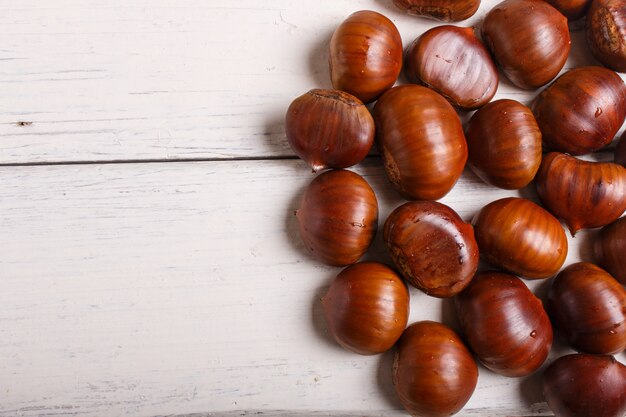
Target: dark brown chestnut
[
  {"x": 454, "y": 63},
  {"x": 421, "y": 141},
  {"x": 620, "y": 151},
  {"x": 432, "y": 246},
  {"x": 329, "y": 129},
  {"x": 504, "y": 324},
  {"x": 584, "y": 194},
  {"x": 367, "y": 308},
  {"x": 588, "y": 306},
  {"x": 433, "y": 372},
  {"x": 606, "y": 32},
  {"x": 442, "y": 10},
  {"x": 504, "y": 144},
  {"x": 572, "y": 9},
  {"x": 520, "y": 237},
  {"x": 365, "y": 55},
  {"x": 610, "y": 249},
  {"x": 338, "y": 217},
  {"x": 582, "y": 110},
  {"x": 529, "y": 40},
  {"x": 581, "y": 385}
]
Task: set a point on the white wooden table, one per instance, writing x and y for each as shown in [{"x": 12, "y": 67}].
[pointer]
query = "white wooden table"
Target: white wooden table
[{"x": 150, "y": 263}]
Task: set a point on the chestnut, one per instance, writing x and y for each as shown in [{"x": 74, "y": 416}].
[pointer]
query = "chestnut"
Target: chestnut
[
  {"x": 367, "y": 308},
  {"x": 365, "y": 55},
  {"x": 606, "y": 33},
  {"x": 504, "y": 144},
  {"x": 610, "y": 248},
  {"x": 582, "y": 110},
  {"x": 529, "y": 40},
  {"x": 588, "y": 306},
  {"x": 620, "y": 151},
  {"x": 504, "y": 324},
  {"x": 582, "y": 385},
  {"x": 421, "y": 141},
  {"x": 454, "y": 63},
  {"x": 442, "y": 10},
  {"x": 520, "y": 237},
  {"x": 584, "y": 194},
  {"x": 432, "y": 246},
  {"x": 433, "y": 372},
  {"x": 338, "y": 217},
  {"x": 329, "y": 129},
  {"x": 572, "y": 9}
]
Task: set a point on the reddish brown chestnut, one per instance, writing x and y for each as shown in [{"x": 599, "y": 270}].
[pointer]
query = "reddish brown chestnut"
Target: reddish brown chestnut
[
  {"x": 365, "y": 55},
  {"x": 582, "y": 110},
  {"x": 504, "y": 144},
  {"x": 606, "y": 32},
  {"x": 367, "y": 308},
  {"x": 338, "y": 217},
  {"x": 433, "y": 372},
  {"x": 588, "y": 306},
  {"x": 610, "y": 249},
  {"x": 572, "y": 9},
  {"x": 529, "y": 39},
  {"x": 581, "y": 385},
  {"x": 442, "y": 10},
  {"x": 504, "y": 324},
  {"x": 329, "y": 129},
  {"x": 584, "y": 194},
  {"x": 520, "y": 237},
  {"x": 421, "y": 141},
  {"x": 432, "y": 246},
  {"x": 453, "y": 62},
  {"x": 620, "y": 151}
]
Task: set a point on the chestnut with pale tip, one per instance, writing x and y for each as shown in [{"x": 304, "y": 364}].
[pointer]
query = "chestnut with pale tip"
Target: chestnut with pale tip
[
  {"x": 442, "y": 10},
  {"x": 606, "y": 33},
  {"x": 367, "y": 308}
]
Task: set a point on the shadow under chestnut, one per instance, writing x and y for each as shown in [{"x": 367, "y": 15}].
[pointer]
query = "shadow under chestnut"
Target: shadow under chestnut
[
  {"x": 317, "y": 314},
  {"x": 384, "y": 378},
  {"x": 318, "y": 62}
]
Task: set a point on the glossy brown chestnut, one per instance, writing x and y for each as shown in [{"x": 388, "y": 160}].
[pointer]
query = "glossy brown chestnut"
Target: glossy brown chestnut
[
  {"x": 432, "y": 246},
  {"x": 504, "y": 144},
  {"x": 504, "y": 324},
  {"x": 365, "y": 55},
  {"x": 572, "y": 9},
  {"x": 442, "y": 10},
  {"x": 584, "y": 194},
  {"x": 606, "y": 32},
  {"x": 582, "y": 110},
  {"x": 367, "y": 308},
  {"x": 520, "y": 237},
  {"x": 338, "y": 217},
  {"x": 421, "y": 141},
  {"x": 454, "y": 63},
  {"x": 581, "y": 385},
  {"x": 610, "y": 249},
  {"x": 620, "y": 151},
  {"x": 433, "y": 372},
  {"x": 588, "y": 306},
  {"x": 529, "y": 40},
  {"x": 329, "y": 129}
]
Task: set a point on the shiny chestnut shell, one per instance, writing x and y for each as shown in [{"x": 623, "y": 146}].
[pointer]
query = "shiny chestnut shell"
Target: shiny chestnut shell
[
  {"x": 520, "y": 237},
  {"x": 442, "y": 10},
  {"x": 620, "y": 151},
  {"x": 421, "y": 141},
  {"x": 588, "y": 306},
  {"x": 338, "y": 217},
  {"x": 584, "y": 194},
  {"x": 582, "y": 110},
  {"x": 454, "y": 63},
  {"x": 433, "y": 372},
  {"x": 529, "y": 40},
  {"x": 582, "y": 385},
  {"x": 606, "y": 33},
  {"x": 572, "y": 9},
  {"x": 329, "y": 129},
  {"x": 504, "y": 144},
  {"x": 504, "y": 324},
  {"x": 365, "y": 55},
  {"x": 432, "y": 246},
  {"x": 367, "y": 308},
  {"x": 610, "y": 249}
]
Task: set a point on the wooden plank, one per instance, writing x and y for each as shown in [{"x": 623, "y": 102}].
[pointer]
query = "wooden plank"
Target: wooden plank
[
  {"x": 172, "y": 288},
  {"x": 164, "y": 80}
]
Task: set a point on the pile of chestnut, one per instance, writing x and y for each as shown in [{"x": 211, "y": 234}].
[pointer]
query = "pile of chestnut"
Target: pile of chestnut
[{"x": 424, "y": 149}]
